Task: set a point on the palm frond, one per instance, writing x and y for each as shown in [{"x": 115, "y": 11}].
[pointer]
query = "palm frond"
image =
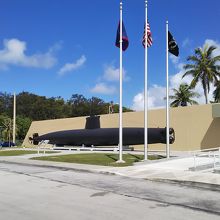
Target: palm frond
[
  {"x": 193, "y": 58},
  {"x": 175, "y": 103},
  {"x": 189, "y": 66},
  {"x": 210, "y": 50}
]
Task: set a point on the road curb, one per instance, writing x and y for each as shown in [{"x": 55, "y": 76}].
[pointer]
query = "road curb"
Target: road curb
[
  {"x": 188, "y": 183},
  {"x": 58, "y": 167}
]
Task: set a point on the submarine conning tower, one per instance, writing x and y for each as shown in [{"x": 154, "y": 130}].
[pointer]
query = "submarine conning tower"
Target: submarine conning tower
[{"x": 92, "y": 122}]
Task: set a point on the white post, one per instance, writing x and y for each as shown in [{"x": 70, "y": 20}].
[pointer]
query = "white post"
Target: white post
[
  {"x": 120, "y": 103},
  {"x": 219, "y": 155},
  {"x": 214, "y": 165},
  {"x": 194, "y": 159},
  {"x": 145, "y": 92},
  {"x": 38, "y": 149},
  {"x": 14, "y": 118},
  {"x": 167, "y": 96}
]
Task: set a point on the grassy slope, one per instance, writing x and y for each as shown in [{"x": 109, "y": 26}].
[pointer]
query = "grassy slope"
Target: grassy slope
[
  {"x": 20, "y": 152},
  {"x": 104, "y": 159}
]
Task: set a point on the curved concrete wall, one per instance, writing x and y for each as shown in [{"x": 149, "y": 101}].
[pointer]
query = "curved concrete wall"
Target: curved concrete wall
[{"x": 196, "y": 127}]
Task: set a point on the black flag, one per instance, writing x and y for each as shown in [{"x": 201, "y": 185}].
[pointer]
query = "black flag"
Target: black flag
[{"x": 173, "y": 47}]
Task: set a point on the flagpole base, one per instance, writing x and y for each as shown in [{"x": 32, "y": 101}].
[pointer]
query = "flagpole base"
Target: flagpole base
[
  {"x": 120, "y": 161},
  {"x": 144, "y": 160}
]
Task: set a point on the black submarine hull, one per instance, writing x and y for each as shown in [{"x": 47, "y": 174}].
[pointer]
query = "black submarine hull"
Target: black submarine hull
[{"x": 105, "y": 137}]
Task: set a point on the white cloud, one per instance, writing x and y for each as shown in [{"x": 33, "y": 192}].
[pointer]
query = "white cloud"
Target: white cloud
[
  {"x": 102, "y": 88},
  {"x": 210, "y": 42},
  {"x": 174, "y": 59},
  {"x": 156, "y": 96},
  {"x": 112, "y": 74},
  {"x": 157, "y": 93},
  {"x": 69, "y": 67},
  {"x": 138, "y": 102},
  {"x": 13, "y": 53},
  {"x": 186, "y": 43}
]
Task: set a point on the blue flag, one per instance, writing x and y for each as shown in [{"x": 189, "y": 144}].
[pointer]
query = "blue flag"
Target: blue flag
[{"x": 125, "y": 41}]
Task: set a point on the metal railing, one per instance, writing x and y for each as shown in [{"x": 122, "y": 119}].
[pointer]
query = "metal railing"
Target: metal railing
[
  {"x": 42, "y": 146},
  {"x": 206, "y": 159}
]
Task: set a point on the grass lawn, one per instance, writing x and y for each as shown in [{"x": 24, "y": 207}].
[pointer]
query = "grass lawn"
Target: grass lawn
[
  {"x": 103, "y": 159},
  {"x": 21, "y": 152}
]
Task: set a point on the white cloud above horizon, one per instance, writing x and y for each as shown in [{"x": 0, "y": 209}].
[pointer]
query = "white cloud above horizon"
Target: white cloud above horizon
[
  {"x": 13, "y": 53},
  {"x": 186, "y": 43},
  {"x": 103, "y": 88},
  {"x": 156, "y": 100},
  {"x": 156, "y": 93},
  {"x": 111, "y": 73},
  {"x": 70, "y": 67}
]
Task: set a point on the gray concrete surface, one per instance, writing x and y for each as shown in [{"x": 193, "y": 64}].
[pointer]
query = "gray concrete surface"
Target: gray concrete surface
[
  {"x": 177, "y": 168},
  {"x": 38, "y": 192},
  {"x": 166, "y": 189}
]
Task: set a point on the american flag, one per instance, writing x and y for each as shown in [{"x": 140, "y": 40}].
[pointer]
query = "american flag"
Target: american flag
[{"x": 149, "y": 36}]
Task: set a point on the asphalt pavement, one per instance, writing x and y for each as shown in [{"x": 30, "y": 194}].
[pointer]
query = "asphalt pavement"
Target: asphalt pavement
[
  {"x": 164, "y": 189},
  {"x": 178, "y": 168}
]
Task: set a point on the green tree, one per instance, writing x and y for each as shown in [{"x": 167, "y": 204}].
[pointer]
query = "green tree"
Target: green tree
[
  {"x": 7, "y": 129},
  {"x": 124, "y": 109},
  {"x": 3, "y": 119},
  {"x": 22, "y": 126},
  {"x": 216, "y": 93},
  {"x": 204, "y": 68},
  {"x": 40, "y": 107},
  {"x": 79, "y": 105},
  {"x": 183, "y": 96},
  {"x": 6, "y": 104}
]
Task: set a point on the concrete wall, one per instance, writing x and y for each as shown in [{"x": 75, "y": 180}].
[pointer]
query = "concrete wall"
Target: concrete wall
[{"x": 195, "y": 126}]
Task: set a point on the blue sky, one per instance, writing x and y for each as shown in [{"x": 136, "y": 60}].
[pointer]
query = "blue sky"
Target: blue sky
[{"x": 58, "y": 48}]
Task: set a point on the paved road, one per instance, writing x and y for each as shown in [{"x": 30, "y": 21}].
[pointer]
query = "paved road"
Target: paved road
[{"x": 32, "y": 192}]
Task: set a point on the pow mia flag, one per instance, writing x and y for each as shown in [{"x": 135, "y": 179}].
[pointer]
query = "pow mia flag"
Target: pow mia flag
[{"x": 173, "y": 47}]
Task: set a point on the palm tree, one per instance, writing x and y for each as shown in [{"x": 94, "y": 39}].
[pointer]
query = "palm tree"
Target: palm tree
[
  {"x": 216, "y": 93},
  {"x": 7, "y": 129},
  {"x": 204, "y": 68},
  {"x": 183, "y": 95}
]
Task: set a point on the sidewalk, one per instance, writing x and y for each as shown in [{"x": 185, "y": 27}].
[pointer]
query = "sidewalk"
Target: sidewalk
[{"x": 174, "y": 169}]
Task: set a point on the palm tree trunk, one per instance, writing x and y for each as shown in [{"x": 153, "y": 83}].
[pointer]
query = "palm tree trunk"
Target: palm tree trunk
[{"x": 206, "y": 97}]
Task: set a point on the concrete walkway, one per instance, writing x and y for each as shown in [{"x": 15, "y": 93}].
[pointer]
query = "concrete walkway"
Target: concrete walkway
[{"x": 178, "y": 169}]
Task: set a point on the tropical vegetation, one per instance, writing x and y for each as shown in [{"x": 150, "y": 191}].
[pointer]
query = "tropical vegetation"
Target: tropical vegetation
[
  {"x": 216, "y": 93},
  {"x": 183, "y": 96},
  {"x": 34, "y": 107},
  {"x": 204, "y": 68}
]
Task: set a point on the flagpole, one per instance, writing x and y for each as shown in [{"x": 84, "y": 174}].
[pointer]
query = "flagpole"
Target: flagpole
[
  {"x": 14, "y": 118},
  {"x": 120, "y": 103},
  {"x": 145, "y": 92},
  {"x": 167, "y": 96}
]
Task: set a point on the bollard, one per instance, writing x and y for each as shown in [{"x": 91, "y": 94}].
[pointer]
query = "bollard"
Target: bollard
[
  {"x": 219, "y": 156},
  {"x": 214, "y": 161},
  {"x": 194, "y": 157}
]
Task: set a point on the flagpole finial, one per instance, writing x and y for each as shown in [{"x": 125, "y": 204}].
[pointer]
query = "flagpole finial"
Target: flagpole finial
[{"x": 166, "y": 21}]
